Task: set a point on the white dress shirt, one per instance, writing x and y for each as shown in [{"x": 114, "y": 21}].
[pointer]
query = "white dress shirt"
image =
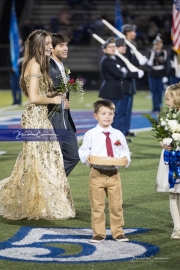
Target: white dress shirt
[
  {"x": 94, "y": 143},
  {"x": 61, "y": 68}
]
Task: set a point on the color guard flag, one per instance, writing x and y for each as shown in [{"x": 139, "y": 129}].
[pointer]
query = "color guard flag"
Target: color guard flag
[
  {"x": 175, "y": 31},
  {"x": 118, "y": 17},
  {"x": 14, "y": 39}
]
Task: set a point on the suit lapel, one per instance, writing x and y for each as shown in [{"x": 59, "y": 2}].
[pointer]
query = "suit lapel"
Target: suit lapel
[
  {"x": 55, "y": 72},
  {"x": 55, "y": 66}
]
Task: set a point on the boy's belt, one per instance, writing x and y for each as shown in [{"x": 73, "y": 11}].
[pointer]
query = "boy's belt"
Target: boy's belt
[
  {"x": 104, "y": 167},
  {"x": 109, "y": 172}
]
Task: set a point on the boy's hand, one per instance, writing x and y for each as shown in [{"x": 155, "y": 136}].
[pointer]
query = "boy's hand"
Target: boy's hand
[
  {"x": 88, "y": 160},
  {"x": 125, "y": 158}
]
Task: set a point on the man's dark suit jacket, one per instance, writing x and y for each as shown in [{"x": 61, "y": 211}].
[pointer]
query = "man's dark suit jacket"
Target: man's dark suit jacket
[
  {"x": 112, "y": 85},
  {"x": 57, "y": 119}
]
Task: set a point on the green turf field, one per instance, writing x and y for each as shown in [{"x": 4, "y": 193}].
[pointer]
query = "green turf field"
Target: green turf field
[
  {"x": 142, "y": 100},
  {"x": 143, "y": 207}
]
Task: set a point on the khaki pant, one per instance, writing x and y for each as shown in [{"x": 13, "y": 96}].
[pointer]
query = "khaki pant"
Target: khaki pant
[{"x": 101, "y": 184}]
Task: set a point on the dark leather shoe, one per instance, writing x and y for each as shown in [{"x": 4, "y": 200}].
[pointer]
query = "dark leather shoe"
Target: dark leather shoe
[
  {"x": 130, "y": 134},
  {"x": 128, "y": 140},
  {"x": 121, "y": 238},
  {"x": 97, "y": 239}
]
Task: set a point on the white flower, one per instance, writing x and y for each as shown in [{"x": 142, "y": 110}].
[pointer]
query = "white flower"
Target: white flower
[
  {"x": 178, "y": 128},
  {"x": 176, "y": 136},
  {"x": 174, "y": 115},
  {"x": 167, "y": 141},
  {"x": 163, "y": 123},
  {"x": 173, "y": 125}
]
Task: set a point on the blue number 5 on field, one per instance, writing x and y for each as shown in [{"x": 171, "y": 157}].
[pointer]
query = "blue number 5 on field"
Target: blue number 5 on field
[{"x": 68, "y": 245}]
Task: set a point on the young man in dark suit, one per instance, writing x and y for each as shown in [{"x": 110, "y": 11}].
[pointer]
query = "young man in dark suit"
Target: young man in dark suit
[{"x": 60, "y": 117}]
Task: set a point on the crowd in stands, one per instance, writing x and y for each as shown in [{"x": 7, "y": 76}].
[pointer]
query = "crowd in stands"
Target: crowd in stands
[{"x": 77, "y": 17}]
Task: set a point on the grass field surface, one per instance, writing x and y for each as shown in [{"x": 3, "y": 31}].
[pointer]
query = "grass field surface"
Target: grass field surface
[
  {"x": 142, "y": 100},
  {"x": 143, "y": 207}
]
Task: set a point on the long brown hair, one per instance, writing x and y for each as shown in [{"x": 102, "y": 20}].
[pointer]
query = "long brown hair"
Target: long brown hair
[{"x": 35, "y": 47}]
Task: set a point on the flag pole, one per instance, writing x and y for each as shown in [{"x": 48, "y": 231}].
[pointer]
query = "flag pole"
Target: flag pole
[
  {"x": 118, "y": 22},
  {"x": 130, "y": 66},
  {"x": 14, "y": 39}
]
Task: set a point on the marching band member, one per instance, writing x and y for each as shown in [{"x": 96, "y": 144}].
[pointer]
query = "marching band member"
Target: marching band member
[
  {"x": 129, "y": 89},
  {"x": 157, "y": 75},
  {"x": 112, "y": 74},
  {"x": 129, "y": 30}
]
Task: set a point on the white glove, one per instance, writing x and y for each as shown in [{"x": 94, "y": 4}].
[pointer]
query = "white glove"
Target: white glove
[
  {"x": 142, "y": 60},
  {"x": 151, "y": 59},
  {"x": 140, "y": 73},
  {"x": 164, "y": 79},
  {"x": 178, "y": 75},
  {"x": 124, "y": 70},
  {"x": 149, "y": 63},
  {"x": 172, "y": 64}
]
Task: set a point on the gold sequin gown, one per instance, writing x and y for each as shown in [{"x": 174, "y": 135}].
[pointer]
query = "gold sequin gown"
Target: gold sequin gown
[{"x": 38, "y": 187}]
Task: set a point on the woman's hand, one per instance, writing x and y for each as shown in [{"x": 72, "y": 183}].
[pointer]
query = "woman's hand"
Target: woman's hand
[
  {"x": 165, "y": 146},
  {"x": 57, "y": 100},
  {"x": 52, "y": 94}
]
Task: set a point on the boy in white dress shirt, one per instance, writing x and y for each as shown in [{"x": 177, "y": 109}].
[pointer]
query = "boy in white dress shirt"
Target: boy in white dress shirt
[{"x": 105, "y": 180}]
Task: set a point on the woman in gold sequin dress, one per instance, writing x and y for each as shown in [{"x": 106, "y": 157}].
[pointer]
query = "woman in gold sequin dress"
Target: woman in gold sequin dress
[{"x": 38, "y": 187}]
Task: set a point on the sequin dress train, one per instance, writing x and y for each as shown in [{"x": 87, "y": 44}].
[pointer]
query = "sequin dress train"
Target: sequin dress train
[{"x": 38, "y": 187}]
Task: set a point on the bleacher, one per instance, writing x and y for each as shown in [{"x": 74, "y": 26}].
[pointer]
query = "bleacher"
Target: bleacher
[{"x": 85, "y": 59}]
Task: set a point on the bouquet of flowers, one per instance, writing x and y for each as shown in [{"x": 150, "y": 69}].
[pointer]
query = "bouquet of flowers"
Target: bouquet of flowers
[
  {"x": 65, "y": 85},
  {"x": 167, "y": 130},
  {"x": 167, "y": 127},
  {"x": 70, "y": 85}
]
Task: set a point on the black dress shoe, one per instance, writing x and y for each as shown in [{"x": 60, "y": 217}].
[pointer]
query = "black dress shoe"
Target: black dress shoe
[
  {"x": 130, "y": 134},
  {"x": 128, "y": 140}
]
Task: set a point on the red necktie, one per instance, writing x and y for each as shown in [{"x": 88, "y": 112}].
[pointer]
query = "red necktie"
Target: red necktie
[{"x": 108, "y": 145}]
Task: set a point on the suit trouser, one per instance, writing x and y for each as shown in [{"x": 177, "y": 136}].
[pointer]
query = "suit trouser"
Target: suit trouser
[
  {"x": 69, "y": 148},
  {"x": 67, "y": 140},
  {"x": 104, "y": 183}
]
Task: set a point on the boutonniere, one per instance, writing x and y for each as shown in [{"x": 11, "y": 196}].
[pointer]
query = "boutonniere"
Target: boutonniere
[
  {"x": 117, "y": 143},
  {"x": 67, "y": 71}
]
